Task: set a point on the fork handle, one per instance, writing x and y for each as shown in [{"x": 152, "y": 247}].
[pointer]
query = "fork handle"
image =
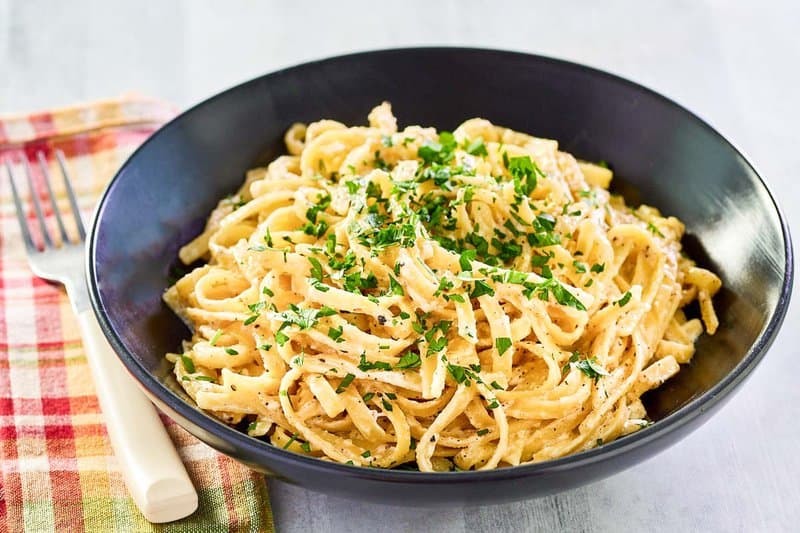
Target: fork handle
[{"x": 153, "y": 472}]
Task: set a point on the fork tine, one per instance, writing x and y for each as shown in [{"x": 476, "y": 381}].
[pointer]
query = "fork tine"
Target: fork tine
[
  {"x": 47, "y": 181},
  {"x": 37, "y": 207},
  {"x": 72, "y": 201},
  {"x": 23, "y": 224}
]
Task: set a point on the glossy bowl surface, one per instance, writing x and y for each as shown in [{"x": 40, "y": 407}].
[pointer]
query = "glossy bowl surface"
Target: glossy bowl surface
[{"x": 661, "y": 153}]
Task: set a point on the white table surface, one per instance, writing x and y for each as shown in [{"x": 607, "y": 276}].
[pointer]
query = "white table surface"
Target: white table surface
[{"x": 736, "y": 64}]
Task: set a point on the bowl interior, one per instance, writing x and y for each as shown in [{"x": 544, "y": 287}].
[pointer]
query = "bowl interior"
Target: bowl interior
[{"x": 661, "y": 154}]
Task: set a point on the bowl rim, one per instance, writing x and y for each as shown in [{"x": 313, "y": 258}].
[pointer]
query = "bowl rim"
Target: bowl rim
[{"x": 257, "y": 448}]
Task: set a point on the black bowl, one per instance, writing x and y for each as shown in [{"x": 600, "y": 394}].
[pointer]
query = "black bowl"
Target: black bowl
[{"x": 662, "y": 155}]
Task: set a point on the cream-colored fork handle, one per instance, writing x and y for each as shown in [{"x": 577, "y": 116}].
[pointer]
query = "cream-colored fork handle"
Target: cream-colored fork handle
[{"x": 154, "y": 474}]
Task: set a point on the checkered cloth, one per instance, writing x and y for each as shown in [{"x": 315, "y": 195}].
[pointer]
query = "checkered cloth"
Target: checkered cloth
[{"x": 58, "y": 471}]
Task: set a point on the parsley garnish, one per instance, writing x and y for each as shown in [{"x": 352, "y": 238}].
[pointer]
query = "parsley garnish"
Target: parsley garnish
[
  {"x": 336, "y": 333},
  {"x": 281, "y": 338},
  {"x": 589, "y": 366},
  {"x": 459, "y": 373},
  {"x": 476, "y": 147},
  {"x": 654, "y": 229},
  {"x": 323, "y": 202},
  {"x": 524, "y": 172},
  {"x": 365, "y": 365},
  {"x": 188, "y": 364},
  {"x": 395, "y": 287},
  {"x": 352, "y": 186},
  {"x": 346, "y": 381},
  {"x": 466, "y": 258},
  {"x": 290, "y": 441},
  {"x": 624, "y": 300},
  {"x": 502, "y": 344},
  {"x": 481, "y": 288},
  {"x": 438, "y": 152},
  {"x": 304, "y": 318},
  {"x": 597, "y": 268},
  {"x": 409, "y": 360},
  {"x": 316, "y": 268}
]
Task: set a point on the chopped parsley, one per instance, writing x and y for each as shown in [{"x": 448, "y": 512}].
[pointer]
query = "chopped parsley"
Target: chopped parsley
[
  {"x": 188, "y": 364},
  {"x": 624, "y": 300},
  {"x": 336, "y": 333},
  {"x": 590, "y": 367},
  {"x": 323, "y": 202},
  {"x": 352, "y": 186},
  {"x": 290, "y": 441},
  {"x": 481, "y": 288},
  {"x": 476, "y": 147},
  {"x": 316, "y": 268},
  {"x": 408, "y": 361},
  {"x": 395, "y": 287},
  {"x": 365, "y": 365},
  {"x": 466, "y": 258},
  {"x": 654, "y": 229},
  {"x": 502, "y": 344},
  {"x": 281, "y": 338},
  {"x": 346, "y": 381},
  {"x": 438, "y": 152},
  {"x": 304, "y": 318},
  {"x": 524, "y": 173}
]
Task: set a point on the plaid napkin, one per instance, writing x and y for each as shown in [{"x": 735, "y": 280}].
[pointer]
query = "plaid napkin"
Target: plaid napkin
[{"x": 58, "y": 469}]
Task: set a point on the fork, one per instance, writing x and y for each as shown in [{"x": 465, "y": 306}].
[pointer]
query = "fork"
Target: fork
[{"x": 151, "y": 467}]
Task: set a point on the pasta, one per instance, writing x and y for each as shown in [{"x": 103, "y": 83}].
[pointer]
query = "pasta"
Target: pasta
[{"x": 464, "y": 300}]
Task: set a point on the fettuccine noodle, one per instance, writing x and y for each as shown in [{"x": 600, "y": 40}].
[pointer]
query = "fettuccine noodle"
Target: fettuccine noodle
[{"x": 463, "y": 300}]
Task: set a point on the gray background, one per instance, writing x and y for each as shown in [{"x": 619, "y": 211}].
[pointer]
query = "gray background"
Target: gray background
[{"x": 734, "y": 63}]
